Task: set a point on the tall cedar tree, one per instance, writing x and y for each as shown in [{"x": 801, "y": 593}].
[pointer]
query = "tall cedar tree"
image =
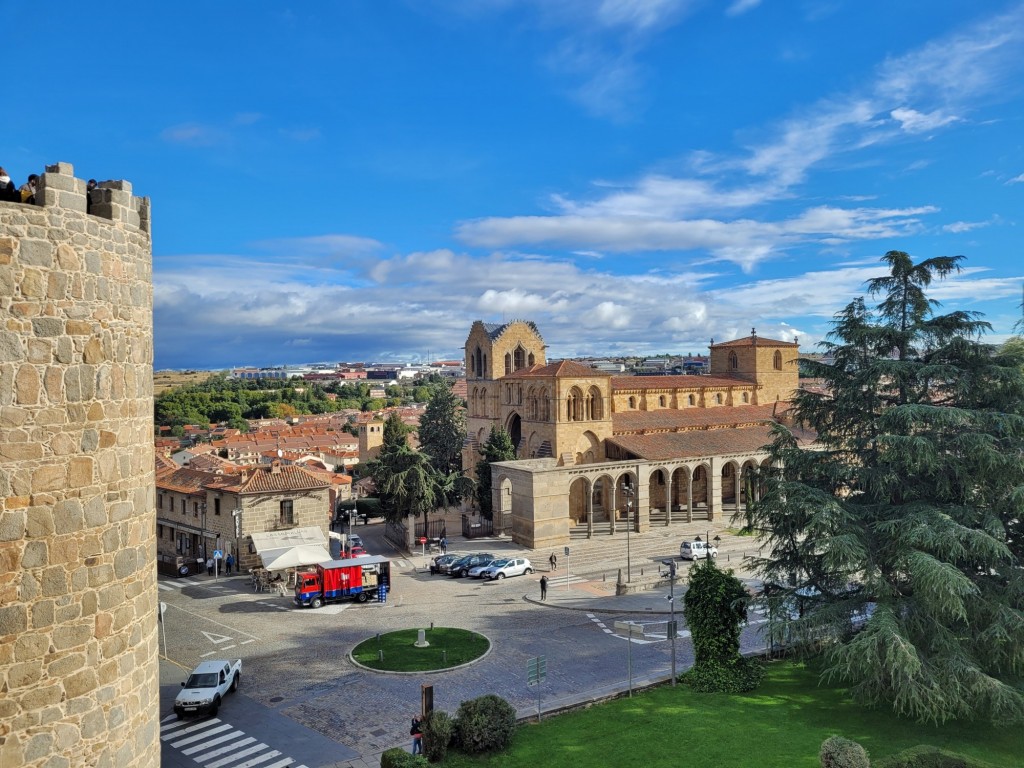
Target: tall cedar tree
[
  {"x": 899, "y": 522},
  {"x": 497, "y": 448},
  {"x": 442, "y": 430},
  {"x": 391, "y": 459}
]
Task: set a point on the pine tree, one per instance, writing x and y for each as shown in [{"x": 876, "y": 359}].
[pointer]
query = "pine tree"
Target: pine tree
[
  {"x": 392, "y": 459},
  {"x": 894, "y": 535},
  {"x": 497, "y": 448}
]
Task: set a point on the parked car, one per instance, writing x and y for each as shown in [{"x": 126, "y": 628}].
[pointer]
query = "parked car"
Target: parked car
[
  {"x": 354, "y": 540},
  {"x": 692, "y": 550},
  {"x": 461, "y": 566},
  {"x": 513, "y": 566},
  {"x": 442, "y": 563},
  {"x": 477, "y": 571}
]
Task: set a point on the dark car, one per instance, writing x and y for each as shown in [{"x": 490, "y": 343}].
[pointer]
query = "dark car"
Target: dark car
[
  {"x": 442, "y": 563},
  {"x": 461, "y": 566}
]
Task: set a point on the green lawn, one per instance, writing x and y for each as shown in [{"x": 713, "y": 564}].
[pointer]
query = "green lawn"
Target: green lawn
[
  {"x": 448, "y": 647},
  {"x": 782, "y": 725}
]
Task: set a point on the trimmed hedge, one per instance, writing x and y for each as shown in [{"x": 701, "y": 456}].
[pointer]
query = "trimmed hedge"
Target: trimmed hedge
[
  {"x": 837, "y": 752},
  {"x": 925, "y": 756},
  {"x": 485, "y": 724},
  {"x": 396, "y": 757}
]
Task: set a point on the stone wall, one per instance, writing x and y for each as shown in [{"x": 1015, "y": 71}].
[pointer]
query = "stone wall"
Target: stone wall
[{"x": 78, "y": 633}]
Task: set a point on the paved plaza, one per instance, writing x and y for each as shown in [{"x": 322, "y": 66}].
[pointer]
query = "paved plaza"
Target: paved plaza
[{"x": 303, "y": 702}]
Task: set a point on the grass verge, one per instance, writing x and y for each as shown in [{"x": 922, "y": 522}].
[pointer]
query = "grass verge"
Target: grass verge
[
  {"x": 780, "y": 725},
  {"x": 448, "y": 647}
]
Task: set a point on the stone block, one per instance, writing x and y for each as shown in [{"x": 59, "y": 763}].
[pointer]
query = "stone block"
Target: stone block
[
  {"x": 50, "y": 477},
  {"x": 36, "y": 253},
  {"x": 42, "y": 614},
  {"x": 27, "y": 385},
  {"x": 39, "y": 522},
  {"x": 11, "y": 349},
  {"x": 25, "y": 673},
  {"x": 79, "y": 327},
  {"x": 40, "y": 351},
  {"x": 80, "y": 683},
  {"x": 80, "y": 472},
  {"x": 73, "y": 636},
  {"x": 21, "y": 451},
  {"x": 13, "y": 620},
  {"x": 12, "y": 524},
  {"x": 47, "y": 327},
  {"x": 54, "y": 582},
  {"x": 11, "y": 418},
  {"x": 7, "y": 245}
]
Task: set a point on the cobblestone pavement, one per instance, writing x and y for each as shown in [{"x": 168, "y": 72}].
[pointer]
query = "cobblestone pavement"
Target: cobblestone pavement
[{"x": 297, "y": 664}]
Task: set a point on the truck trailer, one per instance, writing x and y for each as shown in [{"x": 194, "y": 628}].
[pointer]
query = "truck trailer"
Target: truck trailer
[{"x": 358, "y": 578}]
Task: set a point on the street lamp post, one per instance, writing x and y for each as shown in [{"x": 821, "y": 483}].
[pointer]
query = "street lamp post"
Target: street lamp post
[
  {"x": 237, "y": 515},
  {"x": 672, "y": 613},
  {"x": 628, "y": 493}
]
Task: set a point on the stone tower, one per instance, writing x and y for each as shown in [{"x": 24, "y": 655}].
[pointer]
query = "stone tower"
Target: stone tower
[
  {"x": 772, "y": 364},
  {"x": 79, "y": 682}
]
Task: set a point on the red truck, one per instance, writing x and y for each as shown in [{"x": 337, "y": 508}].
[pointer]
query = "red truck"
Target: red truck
[{"x": 359, "y": 578}]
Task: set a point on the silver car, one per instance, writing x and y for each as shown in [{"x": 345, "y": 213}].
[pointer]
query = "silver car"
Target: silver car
[
  {"x": 513, "y": 566},
  {"x": 477, "y": 572}
]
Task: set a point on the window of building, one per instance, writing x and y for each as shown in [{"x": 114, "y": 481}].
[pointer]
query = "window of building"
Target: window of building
[
  {"x": 661, "y": 401},
  {"x": 508, "y": 363},
  {"x": 216, "y": 506},
  {"x": 777, "y": 362},
  {"x": 183, "y": 507},
  {"x": 746, "y": 397},
  {"x": 159, "y": 531},
  {"x": 287, "y": 513},
  {"x": 632, "y": 402},
  {"x": 195, "y": 509},
  {"x": 718, "y": 398},
  {"x": 734, "y": 363},
  {"x": 159, "y": 501},
  {"x": 692, "y": 399}
]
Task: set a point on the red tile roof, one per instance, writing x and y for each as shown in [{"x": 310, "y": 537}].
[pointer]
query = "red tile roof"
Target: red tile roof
[
  {"x": 567, "y": 369},
  {"x": 666, "y": 446},
  {"x": 182, "y": 480},
  {"x": 670, "y": 419}
]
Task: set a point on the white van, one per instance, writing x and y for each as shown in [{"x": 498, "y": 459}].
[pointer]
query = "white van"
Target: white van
[{"x": 691, "y": 550}]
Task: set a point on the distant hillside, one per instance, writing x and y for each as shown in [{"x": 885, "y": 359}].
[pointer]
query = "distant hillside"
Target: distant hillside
[{"x": 164, "y": 380}]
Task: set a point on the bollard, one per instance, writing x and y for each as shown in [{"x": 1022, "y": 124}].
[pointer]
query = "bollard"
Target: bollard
[
  {"x": 380, "y": 655},
  {"x": 378, "y": 638},
  {"x": 431, "y": 626},
  {"x": 444, "y": 656}
]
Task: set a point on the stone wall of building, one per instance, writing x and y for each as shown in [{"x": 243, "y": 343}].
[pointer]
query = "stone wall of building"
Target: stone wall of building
[{"x": 79, "y": 678}]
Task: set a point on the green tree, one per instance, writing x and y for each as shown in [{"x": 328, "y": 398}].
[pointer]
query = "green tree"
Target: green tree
[
  {"x": 715, "y": 607},
  {"x": 411, "y": 484},
  {"x": 442, "y": 430},
  {"x": 391, "y": 459},
  {"x": 899, "y": 522},
  {"x": 497, "y": 448}
]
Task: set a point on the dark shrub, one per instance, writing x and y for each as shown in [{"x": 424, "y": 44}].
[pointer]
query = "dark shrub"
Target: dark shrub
[
  {"x": 925, "y": 756},
  {"x": 837, "y": 752},
  {"x": 437, "y": 735},
  {"x": 397, "y": 757},
  {"x": 485, "y": 724}
]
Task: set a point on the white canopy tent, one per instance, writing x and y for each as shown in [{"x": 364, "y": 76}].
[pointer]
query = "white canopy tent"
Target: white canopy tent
[{"x": 281, "y": 550}]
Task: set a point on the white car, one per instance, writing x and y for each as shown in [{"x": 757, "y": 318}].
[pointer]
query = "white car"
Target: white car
[
  {"x": 477, "y": 571},
  {"x": 513, "y": 566},
  {"x": 693, "y": 550}
]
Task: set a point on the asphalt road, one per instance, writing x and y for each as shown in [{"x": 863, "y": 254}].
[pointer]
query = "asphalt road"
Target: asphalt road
[{"x": 303, "y": 699}]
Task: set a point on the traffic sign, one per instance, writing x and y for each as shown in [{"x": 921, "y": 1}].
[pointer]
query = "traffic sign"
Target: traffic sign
[
  {"x": 536, "y": 670},
  {"x": 218, "y": 554}
]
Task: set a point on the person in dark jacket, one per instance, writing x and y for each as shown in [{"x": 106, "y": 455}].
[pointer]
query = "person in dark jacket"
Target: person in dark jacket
[{"x": 8, "y": 192}]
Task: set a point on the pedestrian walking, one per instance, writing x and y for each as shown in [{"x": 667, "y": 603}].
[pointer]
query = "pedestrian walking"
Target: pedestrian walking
[
  {"x": 416, "y": 731},
  {"x": 209, "y": 566},
  {"x": 444, "y": 546},
  {"x": 543, "y": 587},
  {"x": 553, "y": 560},
  {"x": 228, "y": 563}
]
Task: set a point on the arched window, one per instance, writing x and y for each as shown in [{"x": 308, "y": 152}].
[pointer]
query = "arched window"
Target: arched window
[
  {"x": 777, "y": 362},
  {"x": 661, "y": 401},
  {"x": 632, "y": 402},
  {"x": 519, "y": 361},
  {"x": 734, "y": 363},
  {"x": 508, "y": 363},
  {"x": 746, "y": 397},
  {"x": 529, "y": 360},
  {"x": 480, "y": 363},
  {"x": 595, "y": 404},
  {"x": 718, "y": 399}
]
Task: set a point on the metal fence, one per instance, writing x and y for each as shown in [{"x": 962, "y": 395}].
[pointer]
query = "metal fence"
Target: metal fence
[{"x": 474, "y": 527}]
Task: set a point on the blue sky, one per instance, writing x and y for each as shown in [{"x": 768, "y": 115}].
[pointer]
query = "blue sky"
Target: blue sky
[{"x": 361, "y": 180}]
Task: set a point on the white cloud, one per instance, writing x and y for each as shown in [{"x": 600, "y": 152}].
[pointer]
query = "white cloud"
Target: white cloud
[
  {"x": 912, "y": 121},
  {"x": 1016, "y": 179}
]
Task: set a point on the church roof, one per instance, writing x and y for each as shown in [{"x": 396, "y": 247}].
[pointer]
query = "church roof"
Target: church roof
[
  {"x": 697, "y": 418},
  {"x": 567, "y": 369},
  {"x": 755, "y": 341},
  {"x": 494, "y": 330},
  {"x": 665, "y": 446}
]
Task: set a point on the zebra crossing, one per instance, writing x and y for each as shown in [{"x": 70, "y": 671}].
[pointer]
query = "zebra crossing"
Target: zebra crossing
[
  {"x": 215, "y": 744},
  {"x": 181, "y": 583}
]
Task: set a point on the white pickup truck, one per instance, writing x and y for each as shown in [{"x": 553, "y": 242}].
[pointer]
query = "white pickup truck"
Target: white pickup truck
[{"x": 202, "y": 693}]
